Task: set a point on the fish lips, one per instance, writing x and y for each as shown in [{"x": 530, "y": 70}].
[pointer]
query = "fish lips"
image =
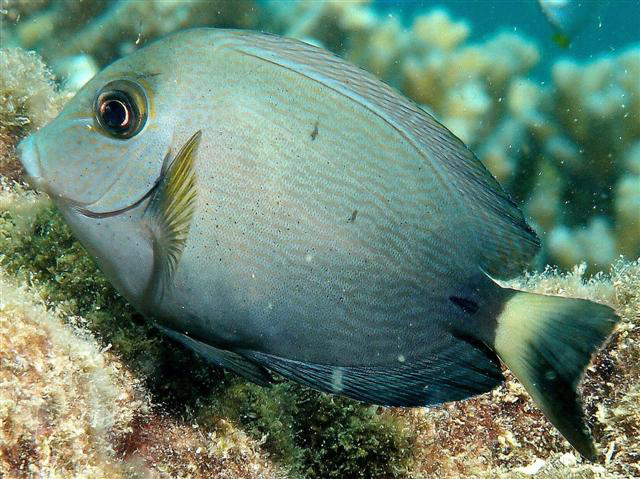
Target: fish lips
[{"x": 30, "y": 158}]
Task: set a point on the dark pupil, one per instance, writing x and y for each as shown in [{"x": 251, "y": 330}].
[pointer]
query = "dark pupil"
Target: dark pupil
[{"x": 115, "y": 115}]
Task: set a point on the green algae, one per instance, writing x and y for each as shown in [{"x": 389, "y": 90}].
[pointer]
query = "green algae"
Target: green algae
[{"x": 321, "y": 436}]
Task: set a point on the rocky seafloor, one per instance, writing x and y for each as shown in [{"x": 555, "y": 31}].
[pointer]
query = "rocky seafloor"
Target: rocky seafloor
[{"x": 88, "y": 389}]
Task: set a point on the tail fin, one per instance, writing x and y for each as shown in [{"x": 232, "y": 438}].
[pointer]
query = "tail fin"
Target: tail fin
[{"x": 547, "y": 342}]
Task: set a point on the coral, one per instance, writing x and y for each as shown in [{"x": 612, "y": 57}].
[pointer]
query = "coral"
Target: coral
[
  {"x": 597, "y": 106},
  {"x": 556, "y": 147},
  {"x": 108, "y": 29},
  {"x": 312, "y": 434},
  {"x": 74, "y": 71},
  {"x": 13, "y": 10},
  {"x": 575, "y": 130}
]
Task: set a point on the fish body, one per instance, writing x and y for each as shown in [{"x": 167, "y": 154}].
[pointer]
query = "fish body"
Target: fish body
[{"x": 275, "y": 208}]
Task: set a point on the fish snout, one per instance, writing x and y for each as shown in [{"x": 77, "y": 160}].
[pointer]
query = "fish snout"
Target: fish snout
[{"x": 30, "y": 159}]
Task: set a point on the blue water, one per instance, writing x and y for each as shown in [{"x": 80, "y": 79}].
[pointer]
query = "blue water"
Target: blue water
[{"x": 613, "y": 25}]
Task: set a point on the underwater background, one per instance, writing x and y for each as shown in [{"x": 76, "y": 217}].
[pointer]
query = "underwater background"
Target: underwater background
[{"x": 88, "y": 389}]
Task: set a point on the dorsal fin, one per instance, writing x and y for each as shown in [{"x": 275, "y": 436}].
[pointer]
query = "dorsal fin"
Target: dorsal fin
[
  {"x": 170, "y": 211},
  {"x": 506, "y": 244}
]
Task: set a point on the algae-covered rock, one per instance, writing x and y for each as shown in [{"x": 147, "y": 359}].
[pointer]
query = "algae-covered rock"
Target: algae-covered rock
[
  {"x": 309, "y": 434},
  {"x": 70, "y": 408},
  {"x": 61, "y": 396}
]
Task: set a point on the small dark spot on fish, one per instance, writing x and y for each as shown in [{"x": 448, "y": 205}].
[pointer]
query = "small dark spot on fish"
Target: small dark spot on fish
[
  {"x": 146, "y": 75},
  {"x": 466, "y": 305},
  {"x": 314, "y": 133},
  {"x": 353, "y": 216}
]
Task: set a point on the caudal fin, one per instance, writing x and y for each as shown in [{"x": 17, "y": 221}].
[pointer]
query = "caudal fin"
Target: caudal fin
[{"x": 547, "y": 342}]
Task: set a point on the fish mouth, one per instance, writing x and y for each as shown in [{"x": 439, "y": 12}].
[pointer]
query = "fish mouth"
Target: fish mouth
[
  {"x": 29, "y": 154},
  {"x": 30, "y": 158}
]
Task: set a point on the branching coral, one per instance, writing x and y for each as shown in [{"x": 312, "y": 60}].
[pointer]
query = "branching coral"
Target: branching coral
[
  {"x": 108, "y": 29},
  {"x": 558, "y": 148},
  {"x": 597, "y": 106}
]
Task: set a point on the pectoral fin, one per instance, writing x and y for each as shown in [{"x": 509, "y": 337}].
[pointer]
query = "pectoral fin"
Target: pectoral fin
[{"x": 170, "y": 211}]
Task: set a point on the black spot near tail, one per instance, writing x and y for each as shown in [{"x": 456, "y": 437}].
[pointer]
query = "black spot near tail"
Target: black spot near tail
[{"x": 466, "y": 305}]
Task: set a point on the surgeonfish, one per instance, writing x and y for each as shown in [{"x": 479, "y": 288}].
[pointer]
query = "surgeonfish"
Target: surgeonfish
[{"x": 277, "y": 209}]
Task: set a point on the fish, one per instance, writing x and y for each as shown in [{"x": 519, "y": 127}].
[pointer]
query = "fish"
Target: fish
[
  {"x": 567, "y": 17},
  {"x": 279, "y": 210}
]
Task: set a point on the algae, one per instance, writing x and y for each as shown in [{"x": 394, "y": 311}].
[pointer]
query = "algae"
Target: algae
[
  {"x": 28, "y": 99},
  {"x": 69, "y": 407}
]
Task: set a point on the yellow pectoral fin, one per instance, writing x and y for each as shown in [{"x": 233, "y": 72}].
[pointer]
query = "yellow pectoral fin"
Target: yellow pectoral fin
[{"x": 170, "y": 211}]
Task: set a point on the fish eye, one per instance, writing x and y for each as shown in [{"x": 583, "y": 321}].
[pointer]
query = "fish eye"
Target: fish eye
[{"x": 121, "y": 109}]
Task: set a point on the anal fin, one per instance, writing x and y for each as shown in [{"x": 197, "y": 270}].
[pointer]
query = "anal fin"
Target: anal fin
[{"x": 457, "y": 371}]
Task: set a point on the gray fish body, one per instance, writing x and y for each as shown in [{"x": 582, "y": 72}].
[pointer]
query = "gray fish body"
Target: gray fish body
[
  {"x": 329, "y": 249},
  {"x": 275, "y": 208}
]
